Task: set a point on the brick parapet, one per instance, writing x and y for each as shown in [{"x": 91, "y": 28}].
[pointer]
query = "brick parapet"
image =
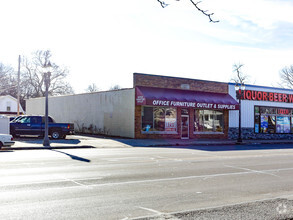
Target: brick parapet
[{"x": 140, "y": 79}]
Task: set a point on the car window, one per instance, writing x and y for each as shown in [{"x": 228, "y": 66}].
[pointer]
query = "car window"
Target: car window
[
  {"x": 17, "y": 118},
  {"x": 35, "y": 120},
  {"x": 50, "y": 120},
  {"x": 24, "y": 120}
]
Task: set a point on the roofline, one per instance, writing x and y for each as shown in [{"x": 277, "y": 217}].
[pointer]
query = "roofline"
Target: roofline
[
  {"x": 228, "y": 83},
  {"x": 175, "y": 77},
  {"x": 266, "y": 87},
  {"x": 9, "y": 96},
  {"x": 86, "y": 93}
]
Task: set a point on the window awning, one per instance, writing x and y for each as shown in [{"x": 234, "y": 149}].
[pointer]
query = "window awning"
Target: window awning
[{"x": 184, "y": 98}]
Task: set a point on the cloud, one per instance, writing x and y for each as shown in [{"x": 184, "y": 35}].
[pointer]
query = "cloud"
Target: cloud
[{"x": 250, "y": 23}]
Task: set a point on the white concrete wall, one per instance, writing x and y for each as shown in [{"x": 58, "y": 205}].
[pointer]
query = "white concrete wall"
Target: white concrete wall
[
  {"x": 247, "y": 106},
  {"x": 110, "y": 112}
]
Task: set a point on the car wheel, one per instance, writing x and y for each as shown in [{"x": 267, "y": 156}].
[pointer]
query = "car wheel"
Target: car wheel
[
  {"x": 55, "y": 134},
  {"x": 1, "y": 145}
]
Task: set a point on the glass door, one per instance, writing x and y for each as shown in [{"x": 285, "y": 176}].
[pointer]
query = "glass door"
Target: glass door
[{"x": 184, "y": 127}]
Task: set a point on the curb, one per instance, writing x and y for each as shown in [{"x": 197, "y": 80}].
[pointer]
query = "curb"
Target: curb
[
  {"x": 40, "y": 147},
  {"x": 46, "y": 148},
  {"x": 218, "y": 144}
]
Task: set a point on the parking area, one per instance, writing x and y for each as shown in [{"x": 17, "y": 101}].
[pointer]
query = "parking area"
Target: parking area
[
  {"x": 98, "y": 141},
  {"x": 71, "y": 141}
]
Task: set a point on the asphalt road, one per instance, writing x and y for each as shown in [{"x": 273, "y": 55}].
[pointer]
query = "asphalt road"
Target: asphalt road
[{"x": 160, "y": 183}]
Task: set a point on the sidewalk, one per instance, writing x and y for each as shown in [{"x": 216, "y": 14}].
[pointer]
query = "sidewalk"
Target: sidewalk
[{"x": 83, "y": 141}]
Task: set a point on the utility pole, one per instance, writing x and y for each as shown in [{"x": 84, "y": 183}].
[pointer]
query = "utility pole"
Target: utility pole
[
  {"x": 18, "y": 79},
  {"x": 47, "y": 75}
]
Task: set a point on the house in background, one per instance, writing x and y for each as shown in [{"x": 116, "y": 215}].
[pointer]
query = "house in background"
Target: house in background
[{"x": 8, "y": 105}]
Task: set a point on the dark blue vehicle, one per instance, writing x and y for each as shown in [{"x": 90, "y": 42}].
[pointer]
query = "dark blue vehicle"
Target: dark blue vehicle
[{"x": 35, "y": 125}]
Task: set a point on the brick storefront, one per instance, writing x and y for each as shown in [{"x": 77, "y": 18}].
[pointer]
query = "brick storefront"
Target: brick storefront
[{"x": 180, "y": 86}]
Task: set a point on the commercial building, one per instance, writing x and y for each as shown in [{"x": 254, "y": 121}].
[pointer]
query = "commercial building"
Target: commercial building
[
  {"x": 267, "y": 113},
  {"x": 106, "y": 113},
  {"x": 173, "y": 107}
]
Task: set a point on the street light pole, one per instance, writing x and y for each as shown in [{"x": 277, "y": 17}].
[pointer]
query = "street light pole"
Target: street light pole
[
  {"x": 18, "y": 87},
  {"x": 239, "y": 92},
  {"x": 239, "y": 140},
  {"x": 46, "y": 141}
]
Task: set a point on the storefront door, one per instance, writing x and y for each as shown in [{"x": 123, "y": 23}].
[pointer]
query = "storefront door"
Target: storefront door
[{"x": 184, "y": 127}]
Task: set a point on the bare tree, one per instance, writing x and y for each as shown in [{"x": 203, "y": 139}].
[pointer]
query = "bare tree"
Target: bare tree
[
  {"x": 286, "y": 75},
  {"x": 33, "y": 76},
  {"x": 92, "y": 88},
  {"x": 8, "y": 85},
  {"x": 240, "y": 77},
  {"x": 195, "y": 4},
  {"x": 116, "y": 87}
]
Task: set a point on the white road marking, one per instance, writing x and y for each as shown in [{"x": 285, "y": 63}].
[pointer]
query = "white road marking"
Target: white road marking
[
  {"x": 75, "y": 182},
  {"x": 62, "y": 179},
  {"x": 165, "y": 215},
  {"x": 150, "y": 180},
  {"x": 151, "y": 210},
  {"x": 255, "y": 171}
]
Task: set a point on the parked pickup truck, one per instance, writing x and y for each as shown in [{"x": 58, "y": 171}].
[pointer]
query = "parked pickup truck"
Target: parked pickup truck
[{"x": 35, "y": 125}]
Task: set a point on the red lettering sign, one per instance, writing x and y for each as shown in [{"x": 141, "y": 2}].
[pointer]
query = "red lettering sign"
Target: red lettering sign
[
  {"x": 282, "y": 111},
  {"x": 267, "y": 96},
  {"x": 253, "y": 95},
  {"x": 248, "y": 94},
  {"x": 271, "y": 96},
  {"x": 290, "y": 98},
  {"x": 285, "y": 98},
  {"x": 275, "y": 97},
  {"x": 280, "y": 97},
  {"x": 259, "y": 96}
]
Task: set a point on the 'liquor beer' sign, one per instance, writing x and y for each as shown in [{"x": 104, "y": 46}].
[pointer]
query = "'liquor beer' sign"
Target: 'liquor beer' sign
[{"x": 266, "y": 96}]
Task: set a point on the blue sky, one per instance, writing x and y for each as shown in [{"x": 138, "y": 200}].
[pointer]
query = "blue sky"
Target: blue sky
[{"x": 104, "y": 42}]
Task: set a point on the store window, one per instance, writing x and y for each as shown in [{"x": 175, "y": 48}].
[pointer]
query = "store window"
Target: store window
[
  {"x": 283, "y": 124},
  {"x": 272, "y": 120},
  {"x": 159, "y": 119},
  {"x": 208, "y": 121}
]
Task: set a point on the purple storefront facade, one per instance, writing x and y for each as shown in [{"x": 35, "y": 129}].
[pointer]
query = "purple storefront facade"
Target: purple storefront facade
[{"x": 171, "y": 107}]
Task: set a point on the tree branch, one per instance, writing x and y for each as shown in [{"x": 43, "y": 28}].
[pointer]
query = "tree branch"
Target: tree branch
[
  {"x": 240, "y": 77},
  {"x": 209, "y": 15},
  {"x": 163, "y": 4}
]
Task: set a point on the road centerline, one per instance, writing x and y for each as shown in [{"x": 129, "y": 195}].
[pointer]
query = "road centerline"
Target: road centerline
[{"x": 255, "y": 171}]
